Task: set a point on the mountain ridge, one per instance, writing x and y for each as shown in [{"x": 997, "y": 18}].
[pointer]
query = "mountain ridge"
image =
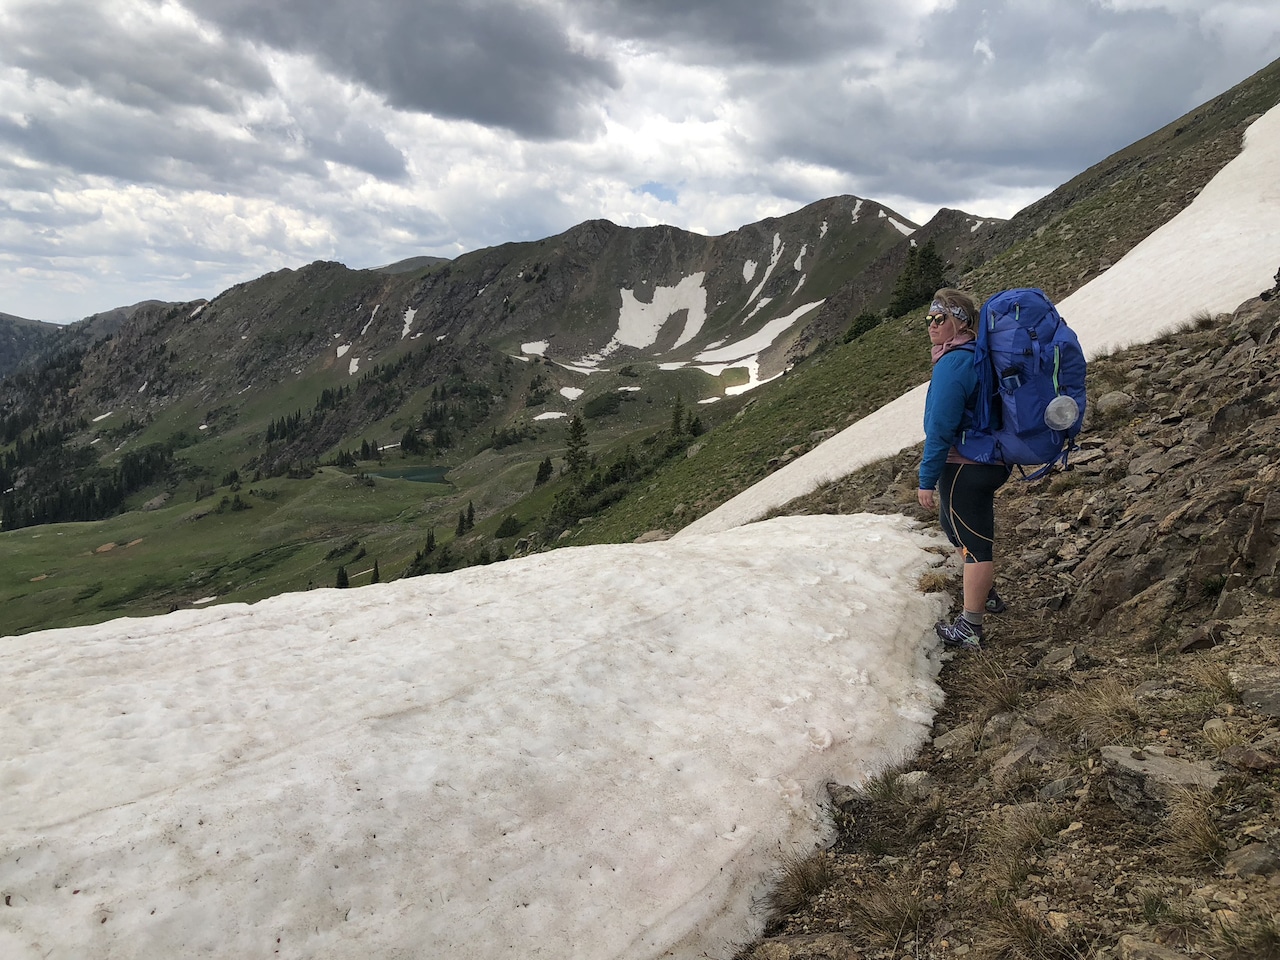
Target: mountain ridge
[{"x": 697, "y": 365}]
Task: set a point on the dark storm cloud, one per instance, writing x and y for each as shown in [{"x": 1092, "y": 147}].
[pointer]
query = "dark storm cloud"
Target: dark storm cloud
[
  {"x": 128, "y": 93},
  {"x": 155, "y": 66},
  {"x": 990, "y": 98},
  {"x": 730, "y": 31},
  {"x": 498, "y": 63},
  {"x": 148, "y": 148}
]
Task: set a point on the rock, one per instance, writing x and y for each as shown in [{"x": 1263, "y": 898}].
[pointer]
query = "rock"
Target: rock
[
  {"x": 1142, "y": 777},
  {"x": 1064, "y": 787},
  {"x": 1260, "y": 696},
  {"x": 1131, "y": 948},
  {"x": 817, "y": 436},
  {"x": 1063, "y": 659},
  {"x": 1136, "y": 484},
  {"x": 652, "y": 536},
  {"x": 1153, "y": 462},
  {"x": 1204, "y": 637},
  {"x": 842, "y": 795},
  {"x": 1155, "y": 690},
  {"x": 1115, "y": 402},
  {"x": 962, "y": 736},
  {"x": 1244, "y": 757},
  {"x": 1030, "y": 750},
  {"x": 820, "y": 946},
  {"x": 998, "y": 729},
  {"x": 916, "y": 785},
  {"x": 1254, "y": 860}
]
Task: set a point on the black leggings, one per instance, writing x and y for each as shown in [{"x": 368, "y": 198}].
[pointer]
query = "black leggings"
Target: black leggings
[{"x": 967, "y": 496}]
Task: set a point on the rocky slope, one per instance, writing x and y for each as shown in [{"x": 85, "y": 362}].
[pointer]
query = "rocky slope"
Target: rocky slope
[
  {"x": 21, "y": 339},
  {"x": 1104, "y": 780}
]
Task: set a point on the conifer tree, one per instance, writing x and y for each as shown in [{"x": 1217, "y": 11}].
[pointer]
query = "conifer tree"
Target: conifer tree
[
  {"x": 545, "y": 469},
  {"x": 575, "y": 453},
  {"x": 924, "y": 273},
  {"x": 342, "y": 580},
  {"x": 377, "y": 576},
  {"x": 471, "y": 515}
]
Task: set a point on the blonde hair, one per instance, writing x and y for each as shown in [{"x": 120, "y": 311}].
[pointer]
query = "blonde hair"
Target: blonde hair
[{"x": 952, "y": 298}]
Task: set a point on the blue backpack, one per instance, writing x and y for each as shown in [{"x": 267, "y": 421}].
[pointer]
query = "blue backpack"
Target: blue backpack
[{"x": 1031, "y": 391}]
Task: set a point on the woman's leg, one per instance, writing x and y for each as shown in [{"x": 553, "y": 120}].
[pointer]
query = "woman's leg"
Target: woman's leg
[
  {"x": 978, "y": 578},
  {"x": 968, "y": 517}
]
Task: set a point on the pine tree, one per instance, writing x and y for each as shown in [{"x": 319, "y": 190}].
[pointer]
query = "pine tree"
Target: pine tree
[
  {"x": 545, "y": 469},
  {"x": 924, "y": 273},
  {"x": 342, "y": 580},
  {"x": 462, "y": 524},
  {"x": 431, "y": 540},
  {"x": 677, "y": 417},
  {"x": 575, "y": 452},
  {"x": 377, "y": 577},
  {"x": 471, "y": 515}
]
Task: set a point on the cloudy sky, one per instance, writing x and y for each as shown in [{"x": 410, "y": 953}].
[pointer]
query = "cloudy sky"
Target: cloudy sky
[{"x": 170, "y": 149}]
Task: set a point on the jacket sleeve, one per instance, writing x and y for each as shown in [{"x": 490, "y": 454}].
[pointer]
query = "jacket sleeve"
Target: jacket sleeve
[{"x": 950, "y": 391}]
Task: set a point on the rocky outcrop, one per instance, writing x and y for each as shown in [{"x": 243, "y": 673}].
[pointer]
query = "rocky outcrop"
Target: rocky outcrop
[{"x": 1103, "y": 776}]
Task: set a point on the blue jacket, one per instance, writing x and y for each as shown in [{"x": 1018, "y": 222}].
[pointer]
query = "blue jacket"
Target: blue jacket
[{"x": 948, "y": 410}]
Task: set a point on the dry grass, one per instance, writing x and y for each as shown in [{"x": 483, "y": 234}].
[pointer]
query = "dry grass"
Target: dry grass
[
  {"x": 799, "y": 881},
  {"x": 1219, "y": 738},
  {"x": 1013, "y": 933},
  {"x": 1021, "y": 781},
  {"x": 1101, "y": 713},
  {"x": 994, "y": 688},
  {"x": 888, "y": 913},
  {"x": 1214, "y": 678},
  {"x": 935, "y": 581},
  {"x": 1193, "y": 841},
  {"x": 1171, "y": 923},
  {"x": 1251, "y": 938},
  {"x": 1199, "y": 321},
  {"x": 887, "y": 814},
  {"x": 1010, "y": 841}
]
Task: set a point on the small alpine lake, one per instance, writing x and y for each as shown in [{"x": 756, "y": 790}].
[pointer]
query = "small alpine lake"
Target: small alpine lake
[{"x": 420, "y": 473}]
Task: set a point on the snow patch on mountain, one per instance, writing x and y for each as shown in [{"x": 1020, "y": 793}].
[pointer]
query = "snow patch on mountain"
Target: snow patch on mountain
[
  {"x": 758, "y": 341},
  {"x": 778, "y": 247},
  {"x": 640, "y": 323}
]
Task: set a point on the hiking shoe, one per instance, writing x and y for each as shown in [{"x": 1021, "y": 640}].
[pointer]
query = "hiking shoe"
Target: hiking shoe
[
  {"x": 995, "y": 602},
  {"x": 961, "y": 635}
]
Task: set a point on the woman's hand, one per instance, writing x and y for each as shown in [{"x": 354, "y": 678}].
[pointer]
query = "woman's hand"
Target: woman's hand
[{"x": 926, "y": 498}]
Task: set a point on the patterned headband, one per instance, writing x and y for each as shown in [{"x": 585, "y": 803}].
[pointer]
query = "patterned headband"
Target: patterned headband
[{"x": 938, "y": 307}]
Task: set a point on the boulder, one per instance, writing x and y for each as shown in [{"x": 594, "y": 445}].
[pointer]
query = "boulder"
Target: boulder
[
  {"x": 1254, "y": 860},
  {"x": 1136, "y": 777}
]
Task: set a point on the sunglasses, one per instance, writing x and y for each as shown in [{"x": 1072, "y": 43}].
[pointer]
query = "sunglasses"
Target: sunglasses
[{"x": 938, "y": 312}]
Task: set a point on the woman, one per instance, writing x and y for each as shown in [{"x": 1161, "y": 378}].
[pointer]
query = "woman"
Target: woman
[{"x": 966, "y": 490}]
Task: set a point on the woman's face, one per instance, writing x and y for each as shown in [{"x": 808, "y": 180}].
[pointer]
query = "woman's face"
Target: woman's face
[{"x": 943, "y": 327}]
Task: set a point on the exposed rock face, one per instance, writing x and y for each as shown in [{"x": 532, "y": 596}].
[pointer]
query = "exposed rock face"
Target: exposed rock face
[
  {"x": 1190, "y": 504},
  {"x": 21, "y": 340}
]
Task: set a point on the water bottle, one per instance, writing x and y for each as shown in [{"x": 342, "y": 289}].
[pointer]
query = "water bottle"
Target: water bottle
[{"x": 1061, "y": 413}]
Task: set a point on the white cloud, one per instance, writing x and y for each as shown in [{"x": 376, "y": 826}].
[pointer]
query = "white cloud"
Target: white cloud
[{"x": 319, "y": 140}]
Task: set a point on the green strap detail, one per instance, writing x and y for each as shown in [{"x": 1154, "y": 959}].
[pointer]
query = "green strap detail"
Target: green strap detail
[{"x": 1057, "y": 358}]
